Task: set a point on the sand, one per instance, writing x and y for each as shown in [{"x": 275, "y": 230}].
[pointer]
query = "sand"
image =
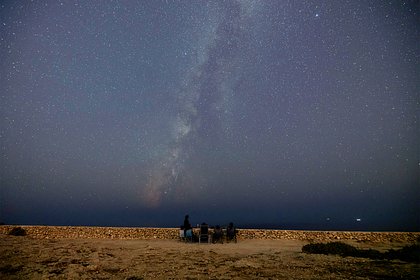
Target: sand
[{"x": 29, "y": 258}]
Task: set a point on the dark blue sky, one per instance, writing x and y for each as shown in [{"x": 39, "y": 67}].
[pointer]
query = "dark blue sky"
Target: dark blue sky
[{"x": 289, "y": 113}]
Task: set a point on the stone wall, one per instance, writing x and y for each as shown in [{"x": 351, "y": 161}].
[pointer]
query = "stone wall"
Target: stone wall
[
  {"x": 53, "y": 232},
  {"x": 57, "y": 232},
  {"x": 319, "y": 236}
]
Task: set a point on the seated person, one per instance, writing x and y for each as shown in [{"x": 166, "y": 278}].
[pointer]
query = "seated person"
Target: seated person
[
  {"x": 189, "y": 234},
  {"x": 218, "y": 234},
  {"x": 231, "y": 232}
]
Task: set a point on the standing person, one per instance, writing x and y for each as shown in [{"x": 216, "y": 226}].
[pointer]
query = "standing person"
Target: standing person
[
  {"x": 187, "y": 227},
  {"x": 187, "y": 224}
]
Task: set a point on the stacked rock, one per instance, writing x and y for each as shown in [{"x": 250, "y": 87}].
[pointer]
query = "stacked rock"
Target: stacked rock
[{"x": 58, "y": 232}]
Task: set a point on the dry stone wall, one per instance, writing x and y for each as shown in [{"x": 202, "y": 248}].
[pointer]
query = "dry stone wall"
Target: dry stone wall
[
  {"x": 319, "y": 236},
  {"x": 59, "y": 232}
]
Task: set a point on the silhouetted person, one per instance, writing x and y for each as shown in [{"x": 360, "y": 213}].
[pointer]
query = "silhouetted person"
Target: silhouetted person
[
  {"x": 187, "y": 228},
  {"x": 218, "y": 234},
  {"x": 231, "y": 232},
  {"x": 187, "y": 224}
]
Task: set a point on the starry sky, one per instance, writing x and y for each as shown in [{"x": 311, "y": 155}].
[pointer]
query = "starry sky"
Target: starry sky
[{"x": 286, "y": 114}]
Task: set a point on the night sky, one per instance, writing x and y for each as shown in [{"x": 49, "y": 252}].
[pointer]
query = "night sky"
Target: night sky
[{"x": 287, "y": 114}]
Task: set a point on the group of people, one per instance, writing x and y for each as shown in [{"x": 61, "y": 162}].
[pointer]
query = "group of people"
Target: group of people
[{"x": 217, "y": 235}]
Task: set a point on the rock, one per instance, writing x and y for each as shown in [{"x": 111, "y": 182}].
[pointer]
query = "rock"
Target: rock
[{"x": 54, "y": 232}]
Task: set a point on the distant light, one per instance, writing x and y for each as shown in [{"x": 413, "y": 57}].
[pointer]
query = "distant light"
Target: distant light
[
  {"x": 358, "y": 220},
  {"x": 316, "y": 15}
]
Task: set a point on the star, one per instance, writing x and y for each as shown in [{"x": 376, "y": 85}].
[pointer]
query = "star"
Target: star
[{"x": 167, "y": 105}]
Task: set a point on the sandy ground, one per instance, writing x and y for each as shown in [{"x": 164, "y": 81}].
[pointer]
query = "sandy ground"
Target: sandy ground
[{"x": 28, "y": 258}]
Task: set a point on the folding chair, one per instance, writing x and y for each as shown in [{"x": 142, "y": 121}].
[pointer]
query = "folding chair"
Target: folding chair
[{"x": 204, "y": 233}]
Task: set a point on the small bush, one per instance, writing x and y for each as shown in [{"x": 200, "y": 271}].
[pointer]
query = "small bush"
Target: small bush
[
  {"x": 408, "y": 253},
  {"x": 10, "y": 269},
  {"x": 335, "y": 248},
  {"x": 17, "y": 231},
  {"x": 135, "y": 278},
  {"x": 370, "y": 254}
]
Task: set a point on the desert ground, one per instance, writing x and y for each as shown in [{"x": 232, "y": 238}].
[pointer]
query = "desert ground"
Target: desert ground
[{"x": 24, "y": 257}]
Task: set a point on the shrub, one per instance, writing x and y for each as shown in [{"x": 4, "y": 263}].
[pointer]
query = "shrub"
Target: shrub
[
  {"x": 408, "y": 253},
  {"x": 335, "y": 248},
  {"x": 17, "y": 231},
  {"x": 135, "y": 278}
]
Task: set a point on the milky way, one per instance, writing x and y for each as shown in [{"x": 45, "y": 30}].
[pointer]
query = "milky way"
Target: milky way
[{"x": 202, "y": 98}]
